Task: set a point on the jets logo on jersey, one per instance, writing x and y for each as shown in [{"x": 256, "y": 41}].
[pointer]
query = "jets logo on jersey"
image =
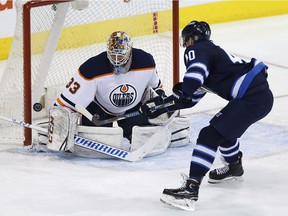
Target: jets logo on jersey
[{"x": 123, "y": 95}]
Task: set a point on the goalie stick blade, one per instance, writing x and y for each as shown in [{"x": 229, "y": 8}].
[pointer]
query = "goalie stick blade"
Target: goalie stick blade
[{"x": 184, "y": 204}]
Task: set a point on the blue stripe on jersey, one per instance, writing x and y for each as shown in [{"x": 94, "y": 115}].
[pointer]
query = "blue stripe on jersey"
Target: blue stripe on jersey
[
  {"x": 200, "y": 66},
  {"x": 195, "y": 75},
  {"x": 242, "y": 83},
  {"x": 197, "y": 71}
]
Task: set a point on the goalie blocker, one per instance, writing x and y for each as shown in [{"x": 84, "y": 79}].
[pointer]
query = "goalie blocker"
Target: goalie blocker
[{"x": 64, "y": 124}]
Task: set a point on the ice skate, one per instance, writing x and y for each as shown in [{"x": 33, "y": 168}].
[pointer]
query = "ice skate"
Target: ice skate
[
  {"x": 183, "y": 197},
  {"x": 233, "y": 171}
]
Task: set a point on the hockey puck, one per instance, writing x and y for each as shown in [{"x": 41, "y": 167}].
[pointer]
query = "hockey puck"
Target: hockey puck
[{"x": 37, "y": 107}]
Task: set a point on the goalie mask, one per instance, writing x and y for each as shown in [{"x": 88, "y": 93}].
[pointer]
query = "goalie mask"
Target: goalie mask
[
  {"x": 197, "y": 30},
  {"x": 119, "y": 51}
]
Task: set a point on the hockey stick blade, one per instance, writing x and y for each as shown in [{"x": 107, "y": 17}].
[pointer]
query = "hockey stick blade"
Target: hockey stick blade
[{"x": 24, "y": 124}]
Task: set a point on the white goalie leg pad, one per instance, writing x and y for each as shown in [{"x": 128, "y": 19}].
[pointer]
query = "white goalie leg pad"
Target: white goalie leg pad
[
  {"x": 40, "y": 141},
  {"x": 62, "y": 128},
  {"x": 141, "y": 135},
  {"x": 181, "y": 130},
  {"x": 112, "y": 136}
]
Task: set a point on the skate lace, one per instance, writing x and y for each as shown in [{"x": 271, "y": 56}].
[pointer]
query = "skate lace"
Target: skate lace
[
  {"x": 183, "y": 186},
  {"x": 222, "y": 170}
]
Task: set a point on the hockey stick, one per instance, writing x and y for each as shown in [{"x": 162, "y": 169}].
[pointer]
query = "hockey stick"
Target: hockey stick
[
  {"x": 98, "y": 122},
  {"x": 25, "y": 124},
  {"x": 153, "y": 140},
  {"x": 104, "y": 148}
]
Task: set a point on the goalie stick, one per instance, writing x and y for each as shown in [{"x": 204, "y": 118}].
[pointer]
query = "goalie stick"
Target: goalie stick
[
  {"x": 104, "y": 148},
  {"x": 98, "y": 122}
]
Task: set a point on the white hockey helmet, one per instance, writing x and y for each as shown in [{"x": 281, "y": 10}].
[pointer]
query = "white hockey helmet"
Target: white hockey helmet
[{"x": 119, "y": 50}]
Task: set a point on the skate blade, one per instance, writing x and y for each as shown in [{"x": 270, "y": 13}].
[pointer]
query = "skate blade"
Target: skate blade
[
  {"x": 184, "y": 204},
  {"x": 226, "y": 180}
]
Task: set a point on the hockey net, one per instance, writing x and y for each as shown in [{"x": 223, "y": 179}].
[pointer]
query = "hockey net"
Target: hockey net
[{"x": 53, "y": 38}]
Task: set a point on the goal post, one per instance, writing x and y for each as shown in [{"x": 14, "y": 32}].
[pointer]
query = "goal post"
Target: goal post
[{"x": 54, "y": 37}]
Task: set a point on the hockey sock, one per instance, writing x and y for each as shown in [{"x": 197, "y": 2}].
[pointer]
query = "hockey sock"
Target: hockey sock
[
  {"x": 205, "y": 151},
  {"x": 230, "y": 150}
]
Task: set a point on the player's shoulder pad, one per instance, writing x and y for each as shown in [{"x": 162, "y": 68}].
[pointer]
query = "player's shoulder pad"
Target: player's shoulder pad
[
  {"x": 141, "y": 59},
  {"x": 95, "y": 66}
]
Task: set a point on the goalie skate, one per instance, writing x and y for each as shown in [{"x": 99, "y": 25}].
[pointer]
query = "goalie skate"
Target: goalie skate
[{"x": 185, "y": 204}]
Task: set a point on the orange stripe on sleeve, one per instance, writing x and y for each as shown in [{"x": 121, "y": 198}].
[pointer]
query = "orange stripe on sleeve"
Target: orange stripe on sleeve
[
  {"x": 63, "y": 105},
  {"x": 142, "y": 69}
]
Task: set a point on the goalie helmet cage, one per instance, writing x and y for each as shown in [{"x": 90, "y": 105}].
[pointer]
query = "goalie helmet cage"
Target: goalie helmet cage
[{"x": 53, "y": 38}]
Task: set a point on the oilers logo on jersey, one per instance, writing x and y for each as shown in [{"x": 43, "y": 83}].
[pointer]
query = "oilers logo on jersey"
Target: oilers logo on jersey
[{"x": 123, "y": 95}]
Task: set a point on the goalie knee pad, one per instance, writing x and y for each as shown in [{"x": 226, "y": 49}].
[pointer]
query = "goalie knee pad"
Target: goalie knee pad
[
  {"x": 181, "y": 128},
  {"x": 62, "y": 128},
  {"x": 141, "y": 135}
]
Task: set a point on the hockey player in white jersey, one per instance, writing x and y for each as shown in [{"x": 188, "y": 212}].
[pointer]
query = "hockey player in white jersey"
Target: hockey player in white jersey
[
  {"x": 115, "y": 82},
  {"x": 104, "y": 86}
]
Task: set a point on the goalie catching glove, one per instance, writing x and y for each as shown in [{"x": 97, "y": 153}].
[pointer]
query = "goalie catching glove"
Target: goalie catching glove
[{"x": 158, "y": 105}]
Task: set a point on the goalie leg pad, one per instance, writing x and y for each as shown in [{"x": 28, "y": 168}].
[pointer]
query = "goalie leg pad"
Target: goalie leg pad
[
  {"x": 62, "y": 128},
  {"x": 141, "y": 135},
  {"x": 40, "y": 141},
  {"x": 181, "y": 129},
  {"x": 112, "y": 136}
]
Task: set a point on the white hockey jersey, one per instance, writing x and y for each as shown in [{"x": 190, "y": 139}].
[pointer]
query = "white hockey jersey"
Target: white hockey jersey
[{"x": 95, "y": 80}]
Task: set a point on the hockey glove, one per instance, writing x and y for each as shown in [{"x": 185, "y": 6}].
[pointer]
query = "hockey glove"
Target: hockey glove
[
  {"x": 153, "y": 107},
  {"x": 161, "y": 93},
  {"x": 158, "y": 105}
]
